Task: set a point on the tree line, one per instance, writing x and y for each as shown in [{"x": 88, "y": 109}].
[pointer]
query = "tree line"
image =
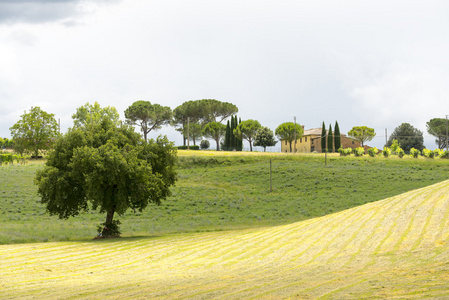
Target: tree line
[{"x": 197, "y": 119}]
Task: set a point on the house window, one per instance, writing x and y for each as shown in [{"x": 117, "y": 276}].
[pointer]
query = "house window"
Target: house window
[
  {"x": 300, "y": 140},
  {"x": 311, "y": 141},
  {"x": 285, "y": 143},
  {"x": 353, "y": 142},
  {"x": 306, "y": 139}
]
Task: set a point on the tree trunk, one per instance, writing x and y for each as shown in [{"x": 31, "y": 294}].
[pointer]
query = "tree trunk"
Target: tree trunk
[
  {"x": 218, "y": 144},
  {"x": 110, "y": 216}
]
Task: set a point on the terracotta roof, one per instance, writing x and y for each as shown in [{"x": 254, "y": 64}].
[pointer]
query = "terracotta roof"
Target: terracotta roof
[{"x": 313, "y": 131}]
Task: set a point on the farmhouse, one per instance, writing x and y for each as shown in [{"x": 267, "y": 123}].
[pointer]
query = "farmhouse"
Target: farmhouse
[{"x": 311, "y": 142}]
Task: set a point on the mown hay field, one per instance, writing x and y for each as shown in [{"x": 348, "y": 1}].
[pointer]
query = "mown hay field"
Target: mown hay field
[{"x": 393, "y": 248}]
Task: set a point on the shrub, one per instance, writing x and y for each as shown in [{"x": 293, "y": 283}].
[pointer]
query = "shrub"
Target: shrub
[
  {"x": 345, "y": 152},
  {"x": 386, "y": 152},
  {"x": 193, "y": 147},
  {"x": 373, "y": 151},
  {"x": 109, "y": 229},
  {"x": 400, "y": 152},
  {"x": 359, "y": 151},
  {"x": 444, "y": 154},
  {"x": 204, "y": 144},
  {"x": 414, "y": 152},
  {"x": 437, "y": 152},
  {"x": 428, "y": 153},
  {"x": 395, "y": 146}
]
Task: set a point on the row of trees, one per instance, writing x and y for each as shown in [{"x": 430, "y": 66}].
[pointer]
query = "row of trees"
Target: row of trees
[
  {"x": 331, "y": 142},
  {"x": 196, "y": 119}
]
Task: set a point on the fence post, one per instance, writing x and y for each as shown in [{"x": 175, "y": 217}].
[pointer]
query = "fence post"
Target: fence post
[{"x": 271, "y": 185}]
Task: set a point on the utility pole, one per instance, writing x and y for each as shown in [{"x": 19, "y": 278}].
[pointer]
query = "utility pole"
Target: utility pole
[
  {"x": 325, "y": 152},
  {"x": 386, "y": 137},
  {"x": 447, "y": 142},
  {"x": 188, "y": 133},
  {"x": 294, "y": 118}
]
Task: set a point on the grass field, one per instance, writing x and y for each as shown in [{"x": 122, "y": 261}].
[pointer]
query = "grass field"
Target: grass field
[
  {"x": 225, "y": 191},
  {"x": 393, "y": 248}
]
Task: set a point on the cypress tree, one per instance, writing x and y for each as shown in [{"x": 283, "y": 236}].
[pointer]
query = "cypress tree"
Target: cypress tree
[
  {"x": 239, "y": 139},
  {"x": 337, "y": 137},
  {"x": 227, "y": 143},
  {"x": 232, "y": 138},
  {"x": 330, "y": 140},
  {"x": 323, "y": 138}
]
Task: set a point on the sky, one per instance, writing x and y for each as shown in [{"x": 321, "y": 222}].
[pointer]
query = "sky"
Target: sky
[{"x": 362, "y": 63}]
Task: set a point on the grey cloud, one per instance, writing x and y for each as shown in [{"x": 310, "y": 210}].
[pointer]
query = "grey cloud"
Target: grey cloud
[{"x": 42, "y": 11}]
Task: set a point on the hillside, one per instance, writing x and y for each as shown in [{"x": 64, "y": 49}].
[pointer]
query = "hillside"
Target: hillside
[
  {"x": 395, "y": 248},
  {"x": 219, "y": 191}
]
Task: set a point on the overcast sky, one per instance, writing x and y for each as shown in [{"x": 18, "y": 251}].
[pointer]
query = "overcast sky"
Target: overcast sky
[{"x": 375, "y": 63}]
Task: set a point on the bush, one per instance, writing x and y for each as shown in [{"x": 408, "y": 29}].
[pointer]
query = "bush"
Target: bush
[
  {"x": 359, "y": 151},
  {"x": 444, "y": 154},
  {"x": 204, "y": 144},
  {"x": 415, "y": 152},
  {"x": 400, "y": 152},
  {"x": 395, "y": 146},
  {"x": 428, "y": 153},
  {"x": 193, "y": 147},
  {"x": 437, "y": 152},
  {"x": 386, "y": 152},
  {"x": 345, "y": 152},
  {"x": 372, "y": 151},
  {"x": 109, "y": 229}
]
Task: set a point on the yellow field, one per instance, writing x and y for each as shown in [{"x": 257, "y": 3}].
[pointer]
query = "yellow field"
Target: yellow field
[{"x": 394, "y": 248}]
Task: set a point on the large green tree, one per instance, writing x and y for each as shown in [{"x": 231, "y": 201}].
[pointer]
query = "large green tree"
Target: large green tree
[
  {"x": 148, "y": 116},
  {"x": 408, "y": 137},
  {"x": 105, "y": 167},
  {"x": 438, "y": 127},
  {"x": 264, "y": 138},
  {"x": 247, "y": 130},
  {"x": 287, "y": 132},
  {"x": 215, "y": 131},
  {"x": 362, "y": 134},
  {"x": 91, "y": 114},
  {"x": 36, "y": 130}
]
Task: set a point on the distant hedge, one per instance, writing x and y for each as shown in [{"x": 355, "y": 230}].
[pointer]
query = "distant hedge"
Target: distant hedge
[{"x": 193, "y": 147}]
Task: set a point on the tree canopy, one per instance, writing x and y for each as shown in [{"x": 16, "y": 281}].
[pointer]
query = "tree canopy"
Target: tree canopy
[
  {"x": 287, "y": 131},
  {"x": 148, "y": 116},
  {"x": 408, "y": 137},
  {"x": 264, "y": 138},
  {"x": 108, "y": 167},
  {"x": 215, "y": 131},
  {"x": 247, "y": 130},
  {"x": 89, "y": 115},
  {"x": 362, "y": 134},
  {"x": 202, "y": 112},
  {"x": 36, "y": 130},
  {"x": 438, "y": 128}
]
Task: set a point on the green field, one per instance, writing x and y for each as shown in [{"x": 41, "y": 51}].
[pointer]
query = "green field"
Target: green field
[{"x": 225, "y": 191}]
